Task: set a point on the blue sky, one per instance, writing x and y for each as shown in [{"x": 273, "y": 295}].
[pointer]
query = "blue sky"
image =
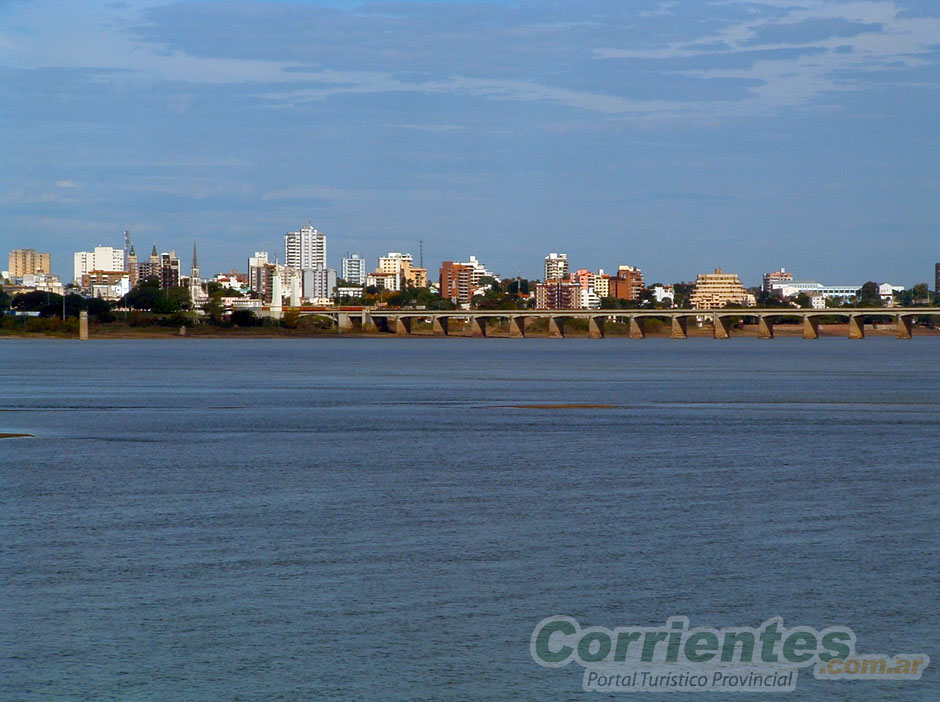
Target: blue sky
[{"x": 676, "y": 136}]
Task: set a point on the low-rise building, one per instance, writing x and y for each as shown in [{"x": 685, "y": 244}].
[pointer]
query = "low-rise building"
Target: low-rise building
[
  {"x": 557, "y": 295},
  {"x": 716, "y": 290}
]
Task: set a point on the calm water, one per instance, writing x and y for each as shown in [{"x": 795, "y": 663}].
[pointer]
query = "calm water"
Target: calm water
[{"x": 370, "y": 519}]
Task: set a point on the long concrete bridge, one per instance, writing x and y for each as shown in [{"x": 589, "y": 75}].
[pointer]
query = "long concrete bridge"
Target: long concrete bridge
[{"x": 400, "y": 321}]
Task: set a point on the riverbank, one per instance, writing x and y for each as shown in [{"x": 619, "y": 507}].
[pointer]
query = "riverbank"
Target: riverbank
[{"x": 572, "y": 330}]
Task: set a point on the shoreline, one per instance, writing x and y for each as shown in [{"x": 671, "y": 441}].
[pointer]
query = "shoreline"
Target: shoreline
[{"x": 744, "y": 331}]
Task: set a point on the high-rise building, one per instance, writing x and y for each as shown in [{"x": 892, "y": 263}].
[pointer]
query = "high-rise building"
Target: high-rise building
[
  {"x": 770, "y": 279},
  {"x": 456, "y": 280},
  {"x": 354, "y": 269},
  {"x": 936, "y": 277},
  {"x": 556, "y": 266},
  {"x": 28, "y": 262},
  {"x": 103, "y": 258},
  {"x": 627, "y": 284},
  {"x": 715, "y": 290},
  {"x": 169, "y": 270},
  {"x": 257, "y": 273},
  {"x": 305, "y": 249}
]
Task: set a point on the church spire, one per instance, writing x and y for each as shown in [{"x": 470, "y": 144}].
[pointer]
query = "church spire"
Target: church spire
[{"x": 195, "y": 260}]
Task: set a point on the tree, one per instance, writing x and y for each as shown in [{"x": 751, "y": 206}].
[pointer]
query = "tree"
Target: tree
[
  {"x": 244, "y": 318},
  {"x": 214, "y": 310},
  {"x": 921, "y": 291},
  {"x": 869, "y": 295},
  {"x": 804, "y": 301},
  {"x": 35, "y": 301},
  {"x": 5, "y": 300}
]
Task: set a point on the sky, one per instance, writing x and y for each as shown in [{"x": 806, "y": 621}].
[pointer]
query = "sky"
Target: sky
[{"x": 677, "y": 136}]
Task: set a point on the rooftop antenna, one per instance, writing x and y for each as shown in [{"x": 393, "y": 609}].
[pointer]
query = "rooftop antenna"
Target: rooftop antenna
[{"x": 421, "y": 253}]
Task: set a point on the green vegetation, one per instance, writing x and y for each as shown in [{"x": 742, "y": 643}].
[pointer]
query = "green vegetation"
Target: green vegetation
[{"x": 149, "y": 296}]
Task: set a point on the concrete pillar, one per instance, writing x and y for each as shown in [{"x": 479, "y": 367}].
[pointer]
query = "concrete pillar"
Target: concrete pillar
[
  {"x": 810, "y": 327},
  {"x": 902, "y": 324},
  {"x": 183, "y": 330},
  {"x": 721, "y": 326},
  {"x": 368, "y": 323},
  {"x": 856, "y": 327},
  {"x": 277, "y": 297},
  {"x": 596, "y": 327},
  {"x": 637, "y": 328},
  {"x": 83, "y": 325},
  {"x": 403, "y": 326},
  {"x": 380, "y": 324},
  {"x": 295, "y": 290},
  {"x": 517, "y": 327},
  {"x": 765, "y": 328},
  {"x": 556, "y": 327},
  {"x": 439, "y": 325},
  {"x": 344, "y": 322},
  {"x": 478, "y": 326},
  {"x": 679, "y": 326}
]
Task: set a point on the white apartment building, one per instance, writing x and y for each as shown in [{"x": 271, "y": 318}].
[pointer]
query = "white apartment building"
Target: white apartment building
[
  {"x": 103, "y": 258},
  {"x": 384, "y": 281},
  {"x": 556, "y": 266},
  {"x": 306, "y": 249},
  {"x": 354, "y": 269},
  {"x": 477, "y": 270}
]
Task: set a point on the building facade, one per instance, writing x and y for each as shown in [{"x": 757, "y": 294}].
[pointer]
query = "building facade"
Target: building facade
[
  {"x": 556, "y": 266},
  {"x": 305, "y": 249},
  {"x": 557, "y": 295},
  {"x": 354, "y": 269},
  {"x": 777, "y": 277},
  {"x": 936, "y": 278},
  {"x": 28, "y": 262},
  {"x": 715, "y": 290},
  {"x": 627, "y": 284},
  {"x": 103, "y": 258},
  {"x": 456, "y": 282},
  {"x": 319, "y": 283}
]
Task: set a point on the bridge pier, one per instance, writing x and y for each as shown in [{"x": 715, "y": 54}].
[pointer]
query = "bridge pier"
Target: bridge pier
[
  {"x": 679, "y": 327},
  {"x": 556, "y": 328},
  {"x": 722, "y": 327},
  {"x": 403, "y": 326},
  {"x": 765, "y": 328},
  {"x": 637, "y": 328},
  {"x": 903, "y": 324},
  {"x": 439, "y": 325},
  {"x": 83, "y": 325},
  {"x": 517, "y": 327},
  {"x": 478, "y": 326},
  {"x": 596, "y": 327},
  {"x": 810, "y": 327},
  {"x": 344, "y": 322},
  {"x": 856, "y": 327}
]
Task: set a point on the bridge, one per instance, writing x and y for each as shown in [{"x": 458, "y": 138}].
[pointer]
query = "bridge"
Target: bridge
[{"x": 400, "y": 321}]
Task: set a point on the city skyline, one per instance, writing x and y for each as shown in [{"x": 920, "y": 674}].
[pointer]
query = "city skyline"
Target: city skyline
[{"x": 679, "y": 136}]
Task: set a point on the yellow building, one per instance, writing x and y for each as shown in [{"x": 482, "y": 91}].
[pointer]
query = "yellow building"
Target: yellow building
[
  {"x": 27, "y": 262},
  {"x": 715, "y": 290}
]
